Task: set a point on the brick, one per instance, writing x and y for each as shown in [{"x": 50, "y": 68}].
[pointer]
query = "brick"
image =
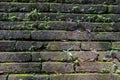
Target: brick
[
  {"x": 20, "y": 67},
  {"x": 28, "y": 77},
  {"x": 93, "y": 67},
  {"x": 29, "y": 46},
  {"x": 15, "y": 34},
  {"x": 57, "y": 67},
  {"x": 114, "y": 9},
  {"x": 3, "y": 77},
  {"x": 72, "y": 8},
  {"x": 53, "y": 25},
  {"x": 115, "y": 45},
  {"x": 96, "y": 45},
  {"x": 101, "y": 27},
  {"x": 48, "y": 35},
  {"x": 62, "y": 17},
  {"x": 22, "y": 7},
  {"x": 15, "y": 57},
  {"x": 63, "y": 45},
  {"x": 87, "y": 76},
  {"x": 82, "y": 1},
  {"x": 50, "y": 56},
  {"x": 7, "y": 45},
  {"x": 20, "y": 76},
  {"x": 3, "y": 16}
]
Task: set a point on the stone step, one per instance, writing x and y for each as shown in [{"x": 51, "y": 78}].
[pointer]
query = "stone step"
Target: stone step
[
  {"x": 68, "y": 1},
  {"x": 23, "y": 7},
  {"x": 55, "y": 46},
  {"x": 52, "y": 7},
  {"x": 77, "y": 76},
  {"x": 59, "y": 56},
  {"x": 45, "y": 35},
  {"x": 20, "y": 67},
  {"x": 59, "y": 17},
  {"x": 60, "y": 25}
]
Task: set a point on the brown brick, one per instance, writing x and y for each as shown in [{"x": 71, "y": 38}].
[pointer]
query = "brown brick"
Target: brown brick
[
  {"x": 63, "y": 45},
  {"x": 95, "y": 45},
  {"x": 48, "y": 35},
  {"x": 15, "y": 57},
  {"x": 28, "y": 77},
  {"x": 86, "y": 76},
  {"x": 57, "y": 67},
  {"x": 3, "y": 77},
  {"x": 93, "y": 67},
  {"x": 15, "y": 34},
  {"x": 20, "y": 67},
  {"x": 50, "y": 56},
  {"x": 28, "y": 46}
]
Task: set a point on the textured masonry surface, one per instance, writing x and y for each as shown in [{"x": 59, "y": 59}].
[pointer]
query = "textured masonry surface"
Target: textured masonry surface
[{"x": 59, "y": 39}]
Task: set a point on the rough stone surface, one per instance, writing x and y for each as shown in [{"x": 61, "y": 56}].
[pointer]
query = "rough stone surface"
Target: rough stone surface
[
  {"x": 7, "y": 45},
  {"x": 63, "y": 46},
  {"x": 57, "y": 67},
  {"x": 95, "y": 45},
  {"x": 20, "y": 67},
  {"x": 15, "y": 57}
]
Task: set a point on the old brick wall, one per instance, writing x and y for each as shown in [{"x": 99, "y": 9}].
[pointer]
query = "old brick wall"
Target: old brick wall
[{"x": 59, "y": 39}]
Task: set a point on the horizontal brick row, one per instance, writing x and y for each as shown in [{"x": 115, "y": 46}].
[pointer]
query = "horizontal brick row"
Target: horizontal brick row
[
  {"x": 62, "y": 76},
  {"x": 60, "y": 25},
  {"x": 56, "y": 67},
  {"x": 71, "y": 8},
  {"x": 20, "y": 67},
  {"x": 59, "y": 56},
  {"x": 25, "y": 7},
  {"x": 54, "y": 46},
  {"x": 39, "y": 25},
  {"x": 54, "y": 35},
  {"x": 60, "y": 17},
  {"x": 68, "y": 1}
]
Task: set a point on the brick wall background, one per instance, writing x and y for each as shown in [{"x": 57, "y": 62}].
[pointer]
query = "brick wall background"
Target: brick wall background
[{"x": 59, "y": 39}]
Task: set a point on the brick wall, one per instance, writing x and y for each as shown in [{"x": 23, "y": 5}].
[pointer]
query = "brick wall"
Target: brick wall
[{"x": 59, "y": 39}]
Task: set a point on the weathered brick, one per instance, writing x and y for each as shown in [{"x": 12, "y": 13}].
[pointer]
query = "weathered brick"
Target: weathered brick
[
  {"x": 67, "y": 1},
  {"x": 50, "y": 56},
  {"x": 20, "y": 7},
  {"x": 63, "y": 45},
  {"x": 7, "y": 45},
  {"x": 81, "y": 1},
  {"x": 15, "y": 57},
  {"x": 15, "y": 34},
  {"x": 29, "y": 45},
  {"x": 21, "y": 77},
  {"x": 77, "y": 8},
  {"x": 28, "y": 77},
  {"x": 48, "y": 35},
  {"x": 57, "y": 67},
  {"x": 114, "y": 9},
  {"x": 93, "y": 67},
  {"x": 101, "y": 27},
  {"x": 39, "y": 25},
  {"x": 116, "y": 45},
  {"x": 96, "y": 45},
  {"x": 3, "y": 77},
  {"x": 20, "y": 67},
  {"x": 86, "y": 76},
  {"x": 62, "y": 17}
]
